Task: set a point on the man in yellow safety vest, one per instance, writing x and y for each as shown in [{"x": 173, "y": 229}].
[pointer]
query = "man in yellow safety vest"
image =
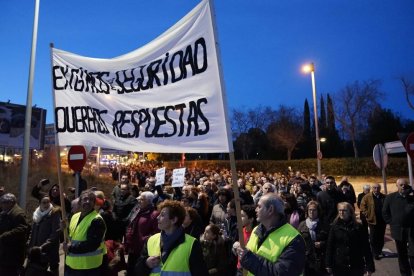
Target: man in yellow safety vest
[
  {"x": 85, "y": 249},
  {"x": 171, "y": 251},
  {"x": 275, "y": 247}
]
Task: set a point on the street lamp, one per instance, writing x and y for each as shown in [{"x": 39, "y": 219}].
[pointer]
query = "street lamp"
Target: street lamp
[{"x": 310, "y": 68}]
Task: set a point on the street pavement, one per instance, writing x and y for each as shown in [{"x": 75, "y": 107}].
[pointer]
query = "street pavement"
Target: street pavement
[{"x": 389, "y": 264}]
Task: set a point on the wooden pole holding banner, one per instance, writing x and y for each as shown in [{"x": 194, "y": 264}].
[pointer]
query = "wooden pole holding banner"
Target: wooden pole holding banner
[
  {"x": 28, "y": 116},
  {"x": 229, "y": 139},
  {"x": 59, "y": 168}
]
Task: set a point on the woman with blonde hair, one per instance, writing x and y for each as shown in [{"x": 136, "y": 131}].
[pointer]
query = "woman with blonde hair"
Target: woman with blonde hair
[{"x": 348, "y": 251}]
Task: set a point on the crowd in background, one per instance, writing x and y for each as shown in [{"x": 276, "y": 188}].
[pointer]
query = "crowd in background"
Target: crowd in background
[{"x": 322, "y": 210}]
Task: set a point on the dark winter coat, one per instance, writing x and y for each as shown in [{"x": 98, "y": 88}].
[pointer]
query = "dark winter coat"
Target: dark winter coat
[
  {"x": 315, "y": 257},
  {"x": 46, "y": 234},
  {"x": 398, "y": 212},
  {"x": 13, "y": 235},
  {"x": 328, "y": 201},
  {"x": 214, "y": 255},
  {"x": 348, "y": 248},
  {"x": 142, "y": 226}
]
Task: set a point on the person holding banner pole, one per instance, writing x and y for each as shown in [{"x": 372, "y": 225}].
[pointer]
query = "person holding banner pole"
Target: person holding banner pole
[
  {"x": 85, "y": 251},
  {"x": 275, "y": 247}
]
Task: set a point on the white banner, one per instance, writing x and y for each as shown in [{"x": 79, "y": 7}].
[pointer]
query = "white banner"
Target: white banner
[
  {"x": 178, "y": 177},
  {"x": 160, "y": 176},
  {"x": 163, "y": 97}
]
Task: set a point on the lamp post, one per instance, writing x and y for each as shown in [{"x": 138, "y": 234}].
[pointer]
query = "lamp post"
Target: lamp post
[{"x": 311, "y": 68}]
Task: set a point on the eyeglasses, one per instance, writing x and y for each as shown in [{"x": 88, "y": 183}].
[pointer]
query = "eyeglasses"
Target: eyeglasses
[
  {"x": 342, "y": 210},
  {"x": 329, "y": 182}
]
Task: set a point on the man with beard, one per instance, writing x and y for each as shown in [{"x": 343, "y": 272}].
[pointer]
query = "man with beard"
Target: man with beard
[
  {"x": 122, "y": 207},
  {"x": 329, "y": 199}
]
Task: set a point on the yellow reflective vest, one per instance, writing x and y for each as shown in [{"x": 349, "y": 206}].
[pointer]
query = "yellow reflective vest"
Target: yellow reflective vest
[
  {"x": 274, "y": 244},
  {"x": 177, "y": 263},
  {"x": 78, "y": 233}
]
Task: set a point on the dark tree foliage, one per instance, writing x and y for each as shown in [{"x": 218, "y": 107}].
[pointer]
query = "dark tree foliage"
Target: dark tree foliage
[
  {"x": 253, "y": 145},
  {"x": 286, "y": 131},
  {"x": 383, "y": 126},
  {"x": 306, "y": 147},
  {"x": 322, "y": 116},
  {"x": 330, "y": 122},
  {"x": 333, "y": 146}
]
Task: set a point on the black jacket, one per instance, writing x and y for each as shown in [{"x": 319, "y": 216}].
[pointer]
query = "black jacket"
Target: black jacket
[
  {"x": 348, "y": 247},
  {"x": 315, "y": 257},
  {"x": 46, "y": 234},
  {"x": 328, "y": 201},
  {"x": 13, "y": 235},
  {"x": 398, "y": 212}
]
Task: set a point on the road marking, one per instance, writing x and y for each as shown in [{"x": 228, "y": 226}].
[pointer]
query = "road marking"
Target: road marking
[{"x": 76, "y": 156}]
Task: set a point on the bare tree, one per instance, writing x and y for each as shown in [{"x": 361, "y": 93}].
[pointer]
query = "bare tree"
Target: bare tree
[
  {"x": 286, "y": 131},
  {"x": 408, "y": 90},
  {"x": 243, "y": 120},
  {"x": 354, "y": 104}
]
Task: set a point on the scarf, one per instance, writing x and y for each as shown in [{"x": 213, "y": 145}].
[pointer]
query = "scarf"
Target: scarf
[
  {"x": 311, "y": 224},
  {"x": 39, "y": 214},
  {"x": 168, "y": 242}
]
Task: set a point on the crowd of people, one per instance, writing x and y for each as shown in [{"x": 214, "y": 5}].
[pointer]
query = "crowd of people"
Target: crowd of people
[{"x": 292, "y": 224}]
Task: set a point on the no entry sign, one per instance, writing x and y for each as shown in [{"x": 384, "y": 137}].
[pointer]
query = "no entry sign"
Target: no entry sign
[
  {"x": 409, "y": 145},
  {"x": 77, "y": 158}
]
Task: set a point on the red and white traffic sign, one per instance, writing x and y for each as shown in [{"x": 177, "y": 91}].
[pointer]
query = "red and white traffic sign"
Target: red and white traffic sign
[
  {"x": 319, "y": 155},
  {"x": 409, "y": 145},
  {"x": 77, "y": 158}
]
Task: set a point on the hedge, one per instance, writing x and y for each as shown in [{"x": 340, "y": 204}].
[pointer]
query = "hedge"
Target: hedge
[{"x": 331, "y": 166}]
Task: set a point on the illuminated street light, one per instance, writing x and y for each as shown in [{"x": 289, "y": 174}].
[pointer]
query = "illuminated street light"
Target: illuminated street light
[
  {"x": 323, "y": 139},
  {"x": 310, "y": 68}
]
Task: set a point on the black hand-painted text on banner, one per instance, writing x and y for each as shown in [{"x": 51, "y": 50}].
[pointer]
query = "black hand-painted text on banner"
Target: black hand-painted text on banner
[
  {"x": 148, "y": 122},
  {"x": 161, "y": 72}
]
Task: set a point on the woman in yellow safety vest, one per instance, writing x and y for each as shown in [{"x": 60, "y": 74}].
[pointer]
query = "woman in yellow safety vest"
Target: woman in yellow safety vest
[{"x": 171, "y": 252}]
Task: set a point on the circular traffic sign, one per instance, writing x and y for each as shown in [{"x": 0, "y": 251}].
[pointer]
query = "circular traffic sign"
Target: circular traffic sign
[
  {"x": 319, "y": 155},
  {"x": 380, "y": 156},
  {"x": 77, "y": 158},
  {"x": 409, "y": 145}
]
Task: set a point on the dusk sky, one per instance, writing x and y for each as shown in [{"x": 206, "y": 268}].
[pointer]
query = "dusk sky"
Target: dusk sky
[{"x": 263, "y": 44}]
